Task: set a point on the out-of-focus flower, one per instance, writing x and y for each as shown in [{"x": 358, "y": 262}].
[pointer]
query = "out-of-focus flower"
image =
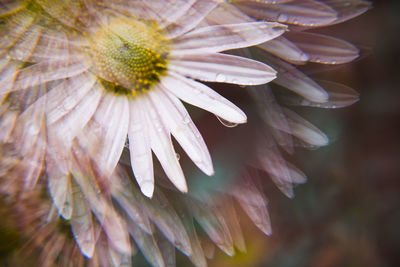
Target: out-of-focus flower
[
  {"x": 283, "y": 128},
  {"x": 78, "y": 77}
]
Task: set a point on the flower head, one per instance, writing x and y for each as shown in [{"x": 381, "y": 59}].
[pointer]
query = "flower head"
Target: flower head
[
  {"x": 114, "y": 69},
  {"x": 83, "y": 82}
]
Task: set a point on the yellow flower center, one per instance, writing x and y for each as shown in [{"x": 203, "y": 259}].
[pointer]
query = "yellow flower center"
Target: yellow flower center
[{"x": 129, "y": 55}]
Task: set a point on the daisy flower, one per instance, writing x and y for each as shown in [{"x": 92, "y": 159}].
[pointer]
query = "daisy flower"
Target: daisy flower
[{"x": 97, "y": 72}]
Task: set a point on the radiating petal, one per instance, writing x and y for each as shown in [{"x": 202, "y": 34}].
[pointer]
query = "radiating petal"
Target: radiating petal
[
  {"x": 203, "y": 97},
  {"x": 161, "y": 144},
  {"x": 305, "y": 131},
  {"x": 81, "y": 222},
  {"x": 46, "y": 71},
  {"x": 189, "y": 19},
  {"x": 283, "y": 48},
  {"x": 60, "y": 190},
  {"x": 140, "y": 148},
  {"x": 296, "y": 81},
  {"x": 112, "y": 132},
  {"x": 339, "y": 96},
  {"x": 324, "y": 49},
  {"x": 254, "y": 204},
  {"x": 218, "y": 38},
  {"x": 223, "y": 68},
  {"x": 299, "y": 12},
  {"x": 178, "y": 122},
  {"x": 213, "y": 224},
  {"x": 147, "y": 245}
]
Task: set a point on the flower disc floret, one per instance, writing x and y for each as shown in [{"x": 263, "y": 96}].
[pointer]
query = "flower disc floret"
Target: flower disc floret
[{"x": 129, "y": 56}]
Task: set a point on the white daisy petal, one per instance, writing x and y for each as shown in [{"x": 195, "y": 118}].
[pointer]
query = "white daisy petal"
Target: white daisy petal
[
  {"x": 324, "y": 49},
  {"x": 168, "y": 11},
  {"x": 63, "y": 98},
  {"x": 299, "y": 12},
  {"x": 178, "y": 122},
  {"x": 47, "y": 71},
  {"x": 217, "y": 67},
  {"x": 70, "y": 125},
  {"x": 283, "y": 48},
  {"x": 140, "y": 149},
  {"x": 200, "y": 95},
  {"x": 113, "y": 131},
  {"x": 162, "y": 147},
  {"x": 60, "y": 190},
  {"x": 191, "y": 18},
  {"x": 218, "y": 38},
  {"x": 304, "y": 130},
  {"x": 81, "y": 222}
]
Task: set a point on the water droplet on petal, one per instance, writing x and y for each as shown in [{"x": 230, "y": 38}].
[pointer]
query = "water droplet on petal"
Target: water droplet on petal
[
  {"x": 282, "y": 17},
  {"x": 220, "y": 78},
  {"x": 178, "y": 157},
  {"x": 227, "y": 123},
  {"x": 33, "y": 129}
]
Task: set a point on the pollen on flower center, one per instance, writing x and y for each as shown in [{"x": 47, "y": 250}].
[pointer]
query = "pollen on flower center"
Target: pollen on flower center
[{"x": 129, "y": 55}]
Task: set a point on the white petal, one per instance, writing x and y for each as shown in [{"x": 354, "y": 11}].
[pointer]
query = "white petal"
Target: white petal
[
  {"x": 324, "y": 49},
  {"x": 162, "y": 147},
  {"x": 68, "y": 127},
  {"x": 305, "y": 131},
  {"x": 296, "y": 81},
  {"x": 81, "y": 223},
  {"x": 178, "y": 122},
  {"x": 189, "y": 19},
  {"x": 200, "y": 95},
  {"x": 218, "y": 38},
  {"x": 301, "y": 12},
  {"x": 47, "y": 71},
  {"x": 112, "y": 116},
  {"x": 60, "y": 190},
  {"x": 217, "y": 67},
  {"x": 65, "y": 96},
  {"x": 140, "y": 149},
  {"x": 285, "y": 49}
]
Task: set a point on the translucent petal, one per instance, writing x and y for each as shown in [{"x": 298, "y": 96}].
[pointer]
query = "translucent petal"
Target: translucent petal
[
  {"x": 324, "y": 49},
  {"x": 191, "y": 18},
  {"x": 81, "y": 222},
  {"x": 254, "y": 204},
  {"x": 283, "y": 48},
  {"x": 299, "y": 12},
  {"x": 110, "y": 131},
  {"x": 162, "y": 147},
  {"x": 178, "y": 122},
  {"x": 223, "y": 68},
  {"x": 203, "y": 97},
  {"x": 218, "y": 38},
  {"x": 140, "y": 149},
  {"x": 147, "y": 245},
  {"x": 304, "y": 130}
]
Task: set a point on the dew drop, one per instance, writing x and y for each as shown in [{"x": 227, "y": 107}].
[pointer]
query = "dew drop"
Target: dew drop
[
  {"x": 227, "y": 123},
  {"x": 33, "y": 129},
  {"x": 282, "y": 17},
  {"x": 220, "y": 78},
  {"x": 178, "y": 157}
]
